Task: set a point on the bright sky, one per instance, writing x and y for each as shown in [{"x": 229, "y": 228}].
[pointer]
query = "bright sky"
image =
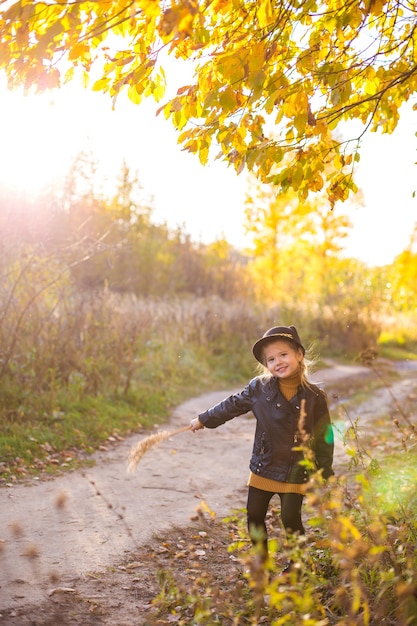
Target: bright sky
[{"x": 40, "y": 135}]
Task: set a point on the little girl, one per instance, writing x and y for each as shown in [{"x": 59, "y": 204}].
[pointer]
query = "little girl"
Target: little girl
[{"x": 276, "y": 398}]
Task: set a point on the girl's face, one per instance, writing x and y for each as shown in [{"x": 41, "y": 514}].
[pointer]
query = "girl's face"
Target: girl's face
[{"x": 282, "y": 359}]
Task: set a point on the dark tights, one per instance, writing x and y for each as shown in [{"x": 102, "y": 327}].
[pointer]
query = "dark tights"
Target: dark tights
[{"x": 257, "y": 507}]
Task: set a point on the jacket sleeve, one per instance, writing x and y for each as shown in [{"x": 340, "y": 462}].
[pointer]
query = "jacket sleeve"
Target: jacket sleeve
[
  {"x": 323, "y": 436},
  {"x": 236, "y": 404}
]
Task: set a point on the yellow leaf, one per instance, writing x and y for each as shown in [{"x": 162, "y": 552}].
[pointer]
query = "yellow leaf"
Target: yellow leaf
[
  {"x": 233, "y": 66},
  {"x": 133, "y": 94},
  {"x": 256, "y": 80},
  {"x": 207, "y": 509},
  {"x": 150, "y": 7},
  {"x": 316, "y": 183},
  {"x": 295, "y": 104},
  {"x": 101, "y": 84},
  {"x": 177, "y": 20},
  {"x": 257, "y": 57},
  {"x": 297, "y": 176},
  {"x": 78, "y": 51},
  {"x": 375, "y": 7},
  {"x": 370, "y": 73},
  {"x": 185, "y": 24},
  {"x": 167, "y": 110},
  {"x": 190, "y": 146},
  {"x": 371, "y": 87},
  {"x": 240, "y": 167},
  {"x": 157, "y": 88},
  {"x": 203, "y": 154},
  {"x": 85, "y": 78},
  {"x": 179, "y": 119},
  {"x": 265, "y": 13},
  {"x": 227, "y": 99},
  {"x": 290, "y": 136}
]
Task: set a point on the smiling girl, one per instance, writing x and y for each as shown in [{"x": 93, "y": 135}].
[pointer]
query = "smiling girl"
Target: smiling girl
[{"x": 289, "y": 410}]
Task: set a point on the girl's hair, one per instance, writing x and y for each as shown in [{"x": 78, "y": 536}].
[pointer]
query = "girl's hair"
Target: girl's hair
[{"x": 305, "y": 364}]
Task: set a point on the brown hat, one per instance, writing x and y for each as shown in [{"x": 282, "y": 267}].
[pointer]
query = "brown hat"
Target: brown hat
[{"x": 277, "y": 332}]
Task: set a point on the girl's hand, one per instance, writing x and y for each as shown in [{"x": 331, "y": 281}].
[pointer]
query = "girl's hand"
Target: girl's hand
[{"x": 196, "y": 424}]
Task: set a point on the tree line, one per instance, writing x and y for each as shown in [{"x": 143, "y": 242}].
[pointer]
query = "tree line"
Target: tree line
[
  {"x": 112, "y": 239},
  {"x": 89, "y": 239}
]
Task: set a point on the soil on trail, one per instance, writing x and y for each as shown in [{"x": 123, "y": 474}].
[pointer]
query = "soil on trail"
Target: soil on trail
[{"x": 60, "y": 537}]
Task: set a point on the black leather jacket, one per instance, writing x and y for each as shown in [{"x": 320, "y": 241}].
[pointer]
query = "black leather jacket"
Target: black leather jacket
[{"x": 277, "y": 435}]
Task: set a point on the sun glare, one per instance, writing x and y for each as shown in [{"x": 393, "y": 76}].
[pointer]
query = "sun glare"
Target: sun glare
[
  {"x": 32, "y": 151},
  {"x": 45, "y": 133}
]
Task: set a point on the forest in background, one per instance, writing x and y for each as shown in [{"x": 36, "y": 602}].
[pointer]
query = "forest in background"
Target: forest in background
[
  {"x": 93, "y": 240},
  {"x": 103, "y": 310}
]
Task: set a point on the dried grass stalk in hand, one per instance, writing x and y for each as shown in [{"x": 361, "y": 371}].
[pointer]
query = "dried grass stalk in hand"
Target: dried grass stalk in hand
[{"x": 140, "y": 448}]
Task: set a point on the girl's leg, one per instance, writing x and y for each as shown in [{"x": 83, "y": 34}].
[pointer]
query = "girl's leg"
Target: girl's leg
[
  {"x": 257, "y": 507},
  {"x": 291, "y": 504}
]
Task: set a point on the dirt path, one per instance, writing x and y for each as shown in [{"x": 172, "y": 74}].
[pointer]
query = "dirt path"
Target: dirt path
[{"x": 85, "y": 521}]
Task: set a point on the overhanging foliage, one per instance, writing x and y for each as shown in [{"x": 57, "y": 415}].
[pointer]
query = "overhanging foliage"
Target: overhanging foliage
[{"x": 274, "y": 79}]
